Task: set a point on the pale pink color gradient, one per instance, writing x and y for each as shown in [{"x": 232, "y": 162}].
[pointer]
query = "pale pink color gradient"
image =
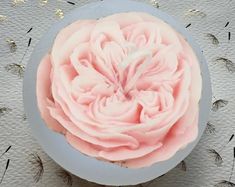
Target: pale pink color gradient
[{"x": 124, "y": 88}]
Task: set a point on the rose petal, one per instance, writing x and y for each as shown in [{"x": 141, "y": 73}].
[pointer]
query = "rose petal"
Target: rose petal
[{"x": 44, "y": 93}]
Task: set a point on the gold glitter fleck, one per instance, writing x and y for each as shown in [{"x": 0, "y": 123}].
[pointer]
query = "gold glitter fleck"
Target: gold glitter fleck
[
  {"x": 4, "y": 110},
  {"x": 16, "y": 69},
  {"x": 59, "y": 13},
  {"x": 43, "y": 2},
  {"x": 154, "y": 3},
  {"x": 17, "y": 2},
  {"x": 2, "y": 18},
  {"x": 11, "y": 44},
  {"x": 195, "y": 12}
]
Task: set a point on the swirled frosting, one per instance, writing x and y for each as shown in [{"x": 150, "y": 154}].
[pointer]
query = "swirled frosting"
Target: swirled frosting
[{"x": 124, "y": 88}]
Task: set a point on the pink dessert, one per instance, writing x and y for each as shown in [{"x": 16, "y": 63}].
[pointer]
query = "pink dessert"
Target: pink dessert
[{"x": 124, "y": 89}]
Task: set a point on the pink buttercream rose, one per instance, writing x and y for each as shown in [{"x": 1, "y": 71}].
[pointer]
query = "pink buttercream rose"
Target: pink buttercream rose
[{"x": 124, "y": 88}]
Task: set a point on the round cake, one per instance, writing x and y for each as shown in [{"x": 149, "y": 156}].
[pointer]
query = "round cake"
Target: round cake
[{"x": 123, "y": 88}]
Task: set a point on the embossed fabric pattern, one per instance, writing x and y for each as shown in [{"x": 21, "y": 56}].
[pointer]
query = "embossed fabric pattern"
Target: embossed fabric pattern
[{"x": 24, "y": 163}]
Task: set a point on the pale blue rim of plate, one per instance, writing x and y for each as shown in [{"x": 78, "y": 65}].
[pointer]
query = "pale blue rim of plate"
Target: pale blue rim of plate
[{"x": 55, "y": 144}]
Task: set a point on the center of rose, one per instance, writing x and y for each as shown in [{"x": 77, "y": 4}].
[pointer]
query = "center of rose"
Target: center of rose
[{"x": 145, "y": 57}]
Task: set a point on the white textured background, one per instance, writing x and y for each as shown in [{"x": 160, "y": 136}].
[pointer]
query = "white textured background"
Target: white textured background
[{"x": 14, "y": 130}]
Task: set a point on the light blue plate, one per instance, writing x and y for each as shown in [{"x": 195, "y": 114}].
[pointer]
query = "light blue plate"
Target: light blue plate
[{"x": 55, "y": 144}]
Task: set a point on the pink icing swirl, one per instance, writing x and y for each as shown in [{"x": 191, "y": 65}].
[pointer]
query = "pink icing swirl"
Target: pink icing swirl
[{"x": 124, "y": 88}]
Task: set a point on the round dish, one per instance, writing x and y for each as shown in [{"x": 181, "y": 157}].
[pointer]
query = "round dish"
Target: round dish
[{"x": 64, "y": 154}]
